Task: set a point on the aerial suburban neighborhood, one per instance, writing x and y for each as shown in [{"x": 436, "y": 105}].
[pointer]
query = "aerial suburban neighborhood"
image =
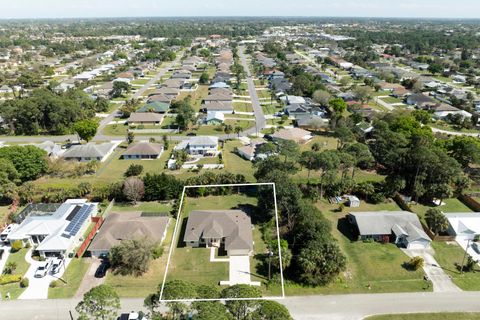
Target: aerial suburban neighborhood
[{"x": 246, "y": 168}]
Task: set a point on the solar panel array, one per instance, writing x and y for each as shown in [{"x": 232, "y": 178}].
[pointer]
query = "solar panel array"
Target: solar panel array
[{"x": 78, "y": 220}]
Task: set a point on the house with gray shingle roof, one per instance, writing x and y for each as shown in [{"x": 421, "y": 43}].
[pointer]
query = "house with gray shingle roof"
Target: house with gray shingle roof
[
  {"x": 143, "y": 150},
  {"x": 229, "y": 228},
  {"x": 401, "y": 227},
  {"x": 128, "y": 226},
  {"x": 89, "y": 152}
]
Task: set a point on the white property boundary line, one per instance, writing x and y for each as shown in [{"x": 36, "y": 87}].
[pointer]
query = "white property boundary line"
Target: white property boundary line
[{"x": 175, "y": 235}]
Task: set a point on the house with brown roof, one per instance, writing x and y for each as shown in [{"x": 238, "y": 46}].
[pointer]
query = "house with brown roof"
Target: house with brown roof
[
  {"x": 148, "y": 118},
  {"x": 231, "y": 229},
  {"x": 128, "y": 226},
  {"x": 143, "y": 150},
  {"x": 294, "y": 134},
  {"x": 160, "y": 98}
]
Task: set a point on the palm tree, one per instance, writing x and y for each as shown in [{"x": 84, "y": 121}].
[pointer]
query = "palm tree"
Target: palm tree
[{"x": 238, "y": 130}]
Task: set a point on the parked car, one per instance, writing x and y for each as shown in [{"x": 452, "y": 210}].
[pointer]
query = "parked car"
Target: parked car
[
  {"x": 56, "y": 265},
  {"x": 102, "y": 269},
  {"x": 476, "y": 247},
  {"x": 7, "y": 231},
  {"x": 42, "y": 270}
]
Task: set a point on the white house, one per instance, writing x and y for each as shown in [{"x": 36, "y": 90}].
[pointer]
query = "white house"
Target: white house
[
  {"x": 464, "y": 226},
  {"x": 55, "y": 229},
  {"x": 200, "y": 145}
]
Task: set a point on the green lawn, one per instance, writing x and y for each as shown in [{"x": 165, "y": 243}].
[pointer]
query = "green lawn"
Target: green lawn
[
  {"x": 167, "y": 122},
  {"x": 427, "y": 316},
  {"x": 115, "y": 130},
  {"x": 22, "y": 267},
  {"x": 448, "y": 127},
  {"x": 145, "y": 206},
  {"x": 391, "y": 100},
  {"x": 451, "y": 205},
  {"x": 271, "y": 108},
  {"x": 73, "y": 277},
  {"x": 4, "y": 211},
  {"x": 243, "y": 106},
  {"x": 449, "y": 256},
  {"x": 140, "y": 81},
  {"x": 236, "y": 164},
  {"x": 374, "y": 264}
]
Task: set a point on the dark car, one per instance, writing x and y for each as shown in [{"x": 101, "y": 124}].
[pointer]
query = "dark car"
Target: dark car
[
  {"x": 191, "y": 134},
  {"x": 102, "y": 269}
]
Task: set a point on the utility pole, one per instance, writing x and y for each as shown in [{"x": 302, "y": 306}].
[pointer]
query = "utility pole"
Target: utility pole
[{"x": 464, "y": 256}]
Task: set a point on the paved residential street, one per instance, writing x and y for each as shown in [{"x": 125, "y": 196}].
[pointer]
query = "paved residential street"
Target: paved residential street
[
  {"x": 333, "y": 307},
  {"x": 260, "y": 122}
]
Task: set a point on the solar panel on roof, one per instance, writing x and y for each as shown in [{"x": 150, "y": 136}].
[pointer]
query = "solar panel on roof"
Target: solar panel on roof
[{"x": 79, "y": 219}]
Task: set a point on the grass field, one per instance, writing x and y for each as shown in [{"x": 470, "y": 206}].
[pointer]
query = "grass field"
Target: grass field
[
  {"x": 73, "y": 277},
  {"x": 428, "y": 316},
  {"x": 243, "y": 106},
  {"x": 22, "y": 266},
  {"x": 145, "y": 206},
  {"x": 450, "y": 256},
  {"x": 115, "y": 130}
]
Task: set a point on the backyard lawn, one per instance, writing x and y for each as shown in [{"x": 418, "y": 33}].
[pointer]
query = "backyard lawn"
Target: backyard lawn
[
  {"x": 451, "y": 205},
  {"x": 236, "y": 164},
  {"x": 145, "y": 206},
  {"x": 73, "y": 276},
  {"x": 449, "y": 256},
  {"x": 427, "y": 316},
  {"x": 22, "y": 266}
]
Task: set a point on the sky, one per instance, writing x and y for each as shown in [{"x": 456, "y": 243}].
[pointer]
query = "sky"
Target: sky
[{"x": 21, "y": 9}]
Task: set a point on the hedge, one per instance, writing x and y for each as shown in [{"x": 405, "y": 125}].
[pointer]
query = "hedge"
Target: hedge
[{"x": 10, "y": 278}]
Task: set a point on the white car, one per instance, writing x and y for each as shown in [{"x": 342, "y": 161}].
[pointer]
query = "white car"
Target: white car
[{"x": 42, "y": 270}]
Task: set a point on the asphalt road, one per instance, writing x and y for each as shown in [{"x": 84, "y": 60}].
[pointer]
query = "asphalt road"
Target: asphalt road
[
  {"x": 260, "y": 122},
  {"x": 332, "y": 307}
]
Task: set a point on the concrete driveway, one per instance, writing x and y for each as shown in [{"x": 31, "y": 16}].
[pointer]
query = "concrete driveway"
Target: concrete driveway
[
  {"x": 440, "y": 280},
  {"x": 239, "y": 271},
  {"x": 89, "y": 281},
  {"x": 38, "y": 287}
]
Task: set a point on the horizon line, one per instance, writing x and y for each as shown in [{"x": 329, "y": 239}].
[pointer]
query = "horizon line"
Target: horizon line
[{"x": 239, "y": 16}]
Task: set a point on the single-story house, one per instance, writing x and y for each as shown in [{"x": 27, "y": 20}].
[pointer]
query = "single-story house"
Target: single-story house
[
  {"x": 160, "y": 98},
  {"x": 173, "y": 83},
  {"x": 294, "y": 134},
  {"x": 148, "y": 118},
  {"x": 443, "y": 110},
  {"x": 128, "y": 226},
  {"x": 231, "y": 229},
  {"x": 154, "y": 106},
  {"x": 89, "y": 152},
  {"x": 217, "y": 106},
  {"x": 401, "y": 227},
  {"x": 199, "y": 145},
  {"x": 420, "y": 100},
  {"x": 5, "y": 89},
  {"x": 143, "y": 150},
  {"x": 55, "y": 229},
  {"x": 464, "y": 226},
  {"x": 217, "y": 98},
  {"x": 170, "y": 92},
  {"x": 311, "y": 122},
  {"x": 215, "y": 118},
  {"x": 249, "y": 151},
  {"x": 182, "y": 74}
]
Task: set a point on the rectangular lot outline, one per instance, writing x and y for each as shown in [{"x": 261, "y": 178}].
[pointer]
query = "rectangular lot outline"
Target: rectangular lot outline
[{"x": 174, "y": 236}]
